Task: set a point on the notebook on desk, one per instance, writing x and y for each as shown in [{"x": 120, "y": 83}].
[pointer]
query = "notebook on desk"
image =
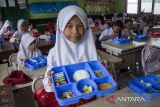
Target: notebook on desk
[{"x": 6, "y": 96}]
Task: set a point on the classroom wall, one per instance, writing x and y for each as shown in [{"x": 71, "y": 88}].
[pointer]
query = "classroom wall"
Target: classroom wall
[
  {"x": 14, "y": 14},
  {"x": 119, "y": 6}
]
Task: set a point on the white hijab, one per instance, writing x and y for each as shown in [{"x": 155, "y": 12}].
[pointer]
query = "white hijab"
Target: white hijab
[
  {"x": 24, "y": 52},
  {"x": 19, "y": 24},
  {"x": 4, "y": 28},
  {"x": 91, "y": 22},
  {"x": 67, "y": 52}
]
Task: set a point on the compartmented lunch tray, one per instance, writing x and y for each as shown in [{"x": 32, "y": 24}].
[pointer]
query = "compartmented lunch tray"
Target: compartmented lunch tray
[
  {"x": 36, "y": 63},
  {"x": 76, "y": 87},
  {"x": 147, "y": 86}
]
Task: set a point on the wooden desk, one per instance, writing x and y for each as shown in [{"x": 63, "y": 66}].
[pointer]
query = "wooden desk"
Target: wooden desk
[
  {"x": 114, "y": 62},
  {"x": 129, "y": 53},
  {"x": 124, "y": 48},
  {"x": 32, "y": 75},
  {"x": 6, "y": 96},
  {"x": 3, "y": 72},
  {"x": 45, "y": 46},
  {"x": 7, "y": 50},
  {"x": 103, "y": 102}
]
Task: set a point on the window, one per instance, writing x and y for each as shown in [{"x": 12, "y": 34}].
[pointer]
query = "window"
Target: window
[
  {"x": 132, "y": 6},
  {"x": 146, "y": 6},
  {"x": 156, "y": 7}
]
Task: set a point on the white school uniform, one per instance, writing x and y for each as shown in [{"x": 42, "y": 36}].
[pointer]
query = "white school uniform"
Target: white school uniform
[
  {"x": 7, "y": 23},
  {"x": 126, "y": 32},
  {"x": 24, "y": 52},
  {"x": 145, "y": 30},
  {"x": 18, "y": 34},
  {"x": 106, "y": 33},
  {"x": 65, "y": 52}
]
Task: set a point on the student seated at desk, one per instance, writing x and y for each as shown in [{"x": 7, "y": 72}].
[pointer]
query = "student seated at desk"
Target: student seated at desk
[
  {"x": 22, "y": 29},
  {"x": 112, "y": 32},
  {"x": 148, "y": 28},
  {"x": 31, "y": 28},
  {"x": 27, "y": 49},
  {"x": 127, "y": 31},
  {"x": 6, "y": 31}
]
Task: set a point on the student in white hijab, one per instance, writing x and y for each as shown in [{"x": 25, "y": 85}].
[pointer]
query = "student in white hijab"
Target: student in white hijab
[
  {"x": 27, "y": 49},
  {"x": 115, "y": 17},
  {"x": 22, "y": 29},
  {"x": 74, "y": 41},
  {"x": 7, "y": 29}
]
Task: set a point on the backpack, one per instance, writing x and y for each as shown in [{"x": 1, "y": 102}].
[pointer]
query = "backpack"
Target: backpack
[{"x": 150, "y": 59}]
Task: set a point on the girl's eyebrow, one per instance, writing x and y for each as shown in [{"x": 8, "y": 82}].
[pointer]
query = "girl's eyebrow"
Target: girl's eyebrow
[{"x": 72, "y": 23}]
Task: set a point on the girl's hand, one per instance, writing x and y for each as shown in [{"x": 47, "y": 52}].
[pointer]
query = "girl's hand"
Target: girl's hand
[{"x": 49, "y": 77}]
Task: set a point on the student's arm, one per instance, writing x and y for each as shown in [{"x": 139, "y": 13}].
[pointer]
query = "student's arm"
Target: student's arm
[
  {"x": 107, "y": 37},
  {"x": 50, "y": 64}
]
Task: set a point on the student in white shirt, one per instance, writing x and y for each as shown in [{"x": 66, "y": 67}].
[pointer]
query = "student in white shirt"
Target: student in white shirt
[
  {"x": 148, "y": 28},
  {"x": 112, "y": 32},
  {"x": 127, "y": 31},
  {"x": 74, "y": 41}
]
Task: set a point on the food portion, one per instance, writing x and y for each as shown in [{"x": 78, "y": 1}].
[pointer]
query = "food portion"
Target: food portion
[
  {"x": 87, "y": 89},
  {"x": 60, "y": 79},
  {"x": 98, "y": 73},
  {"x": 104, "y": 86},
  {"x": 66, "y": 95}
]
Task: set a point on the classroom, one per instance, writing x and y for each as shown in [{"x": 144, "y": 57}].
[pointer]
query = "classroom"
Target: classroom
[{"x": 79, "y": 53}]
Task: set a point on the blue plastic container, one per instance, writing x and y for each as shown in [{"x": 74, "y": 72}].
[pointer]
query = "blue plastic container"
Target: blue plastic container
[
  {"x": 77, "y": 87},
  {"x": 120, "y": 40},
  {"x": 139, "y": 86},
  {"x": 141, "y": 37},
  {"x": 1, "y": 40},
  {"x": 36, "y": 63},
  {"x": 53, "y": 38}
]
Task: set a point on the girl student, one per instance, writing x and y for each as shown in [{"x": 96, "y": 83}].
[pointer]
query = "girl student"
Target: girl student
[
  {"x": 74, "y": 42},
  {"x": 27, "y": 49}
]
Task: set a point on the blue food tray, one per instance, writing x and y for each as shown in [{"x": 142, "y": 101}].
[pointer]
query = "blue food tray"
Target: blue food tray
[
  {"x": 147, "y": 92},
  {"x": 53, "y": 38},
  {"x": 141, "y": 37},
  {"x": 1, "y": 40},
  {"x": 76, "y": 87},
  {"x": 120, "y": 40},
  {"x": 32, "y": 65}
]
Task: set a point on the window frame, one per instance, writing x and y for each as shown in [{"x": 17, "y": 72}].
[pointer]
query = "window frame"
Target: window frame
[{"x": 139, "y": 8}]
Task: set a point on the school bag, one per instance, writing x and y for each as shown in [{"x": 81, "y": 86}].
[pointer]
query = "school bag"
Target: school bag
[{"x": 150, "y": 59}]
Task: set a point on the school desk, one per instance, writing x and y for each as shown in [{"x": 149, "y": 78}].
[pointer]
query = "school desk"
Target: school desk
[
  {"x": 116, "y": 100},
  {"x": 114, "y": 62},
  {"x": 31, "y": 74},
  {"x": 45, "y": 46},
  {"x": 6, "y": 96},
  {"x": 3, "y": 72},
  {"x": 130, "y": 52},
  {"x": 6, "y": 50}
]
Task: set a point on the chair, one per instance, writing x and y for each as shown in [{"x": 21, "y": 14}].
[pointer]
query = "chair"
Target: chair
[{"x": 13, "y": 59}]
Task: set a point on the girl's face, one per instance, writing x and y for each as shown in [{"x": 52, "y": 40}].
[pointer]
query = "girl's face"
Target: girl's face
[
  {"x": 24, "y": 26},
  {"x": 32, "y": 46},
  {"x": 116, "y": 29},
  {"x": 129, "y": 25},
  {"x": 74, "y": 29}
]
